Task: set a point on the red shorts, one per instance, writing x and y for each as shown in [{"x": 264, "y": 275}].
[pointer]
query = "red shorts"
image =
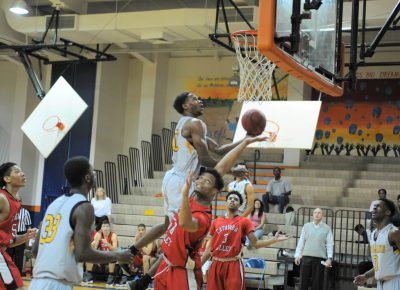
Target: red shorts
[
  {"x": 10, "y": 278},
  {"x": 173, "y": 278},
  {"x": 226, "y": 275}
]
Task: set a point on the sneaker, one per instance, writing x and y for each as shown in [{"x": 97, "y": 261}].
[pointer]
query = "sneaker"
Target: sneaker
[
  {"x": 87, "y": 278},
  {"x": 122, "y": 282},
  {"x": 138, "y": 284},
  {"x": 110, "y": 280}
]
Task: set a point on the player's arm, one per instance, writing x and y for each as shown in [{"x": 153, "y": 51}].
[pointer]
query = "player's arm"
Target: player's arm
[
  {"x": 186, "y": 220},
  {"x": 200, "y": 143},
  {"x": 221, "y": 150},
  {"x": 22, "y": 239},
  {"x": 226, "y": 163},
  {"x": 4, "y": 207},
  {"x": 35, "y": 246},
  {"x": 362, "y": 279},
  {"x": 207, "y": 252},
  {"x": 249, "y": 190},
  {"x": 96, "y": 240},
  {"x": 266, "y": 243},
  {"x": 394, "y": 238},
  {"x": 114, "y": 242},
  {"x": 82, "y": 221}
]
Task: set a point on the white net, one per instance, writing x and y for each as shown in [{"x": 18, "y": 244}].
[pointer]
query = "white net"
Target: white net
[{"x": 255, "y": 69}]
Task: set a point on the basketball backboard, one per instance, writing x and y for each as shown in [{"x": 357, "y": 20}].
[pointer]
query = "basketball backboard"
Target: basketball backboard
[
  {"x": 302, "y": 41},
  {"x": 290, "y": 124},
  {"x": 54, "y": 117}
]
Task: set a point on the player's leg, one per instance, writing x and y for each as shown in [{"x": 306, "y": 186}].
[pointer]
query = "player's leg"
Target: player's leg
[
  {"x": 10, "y": 276},
  {"x": 391, "y": 284},
  {"x": 234, "y": 275},
  {"x": 111, "y": 274},
  {"x": 146, "y": 279},
  {"x": 49, "y": 284},
  {"x": 215, "y": 279},
  {"x": 88, "y": 276}
]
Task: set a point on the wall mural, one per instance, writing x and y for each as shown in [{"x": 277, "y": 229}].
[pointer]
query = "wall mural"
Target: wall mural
[
  {"x": 222, "y": 110},
  {"x": 364, "y": 122}
]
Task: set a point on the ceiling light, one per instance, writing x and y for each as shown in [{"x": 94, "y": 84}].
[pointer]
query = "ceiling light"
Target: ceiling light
[{"x": 19, "y": 7}]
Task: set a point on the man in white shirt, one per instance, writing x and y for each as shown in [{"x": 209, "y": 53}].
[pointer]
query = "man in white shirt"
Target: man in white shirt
[{"x": 314, "y": 249}]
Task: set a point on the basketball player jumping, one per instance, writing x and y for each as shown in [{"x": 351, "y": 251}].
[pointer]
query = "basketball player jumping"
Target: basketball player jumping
[
  {"x": 181, "y": 265},
  {"x": 64, "y": 239},
  {"x": 385, "y": 248},
  {"x": 12, "y": 179},
  {"x": 191, "y": 148},
  {"x": 228, "y": 235}
]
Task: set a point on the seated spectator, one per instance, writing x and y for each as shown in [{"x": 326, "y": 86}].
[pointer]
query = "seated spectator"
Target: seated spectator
[
  {"x": 102, "y": 207},
  {"x": 104, "y": 240},
  {"x": 257, "y": 217},
  {"x": 277, "y": 192},
  {"x": 290, "y": 216},
  {"x": 363, "y": 234}
]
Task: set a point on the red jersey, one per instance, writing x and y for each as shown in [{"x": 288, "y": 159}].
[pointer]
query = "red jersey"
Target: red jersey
[
  {"x": 8, "y": 227},
  {"x": 228, "y": 235},
  {"x": 179, "y": 244},
  {"x": 103, "y": 246}
]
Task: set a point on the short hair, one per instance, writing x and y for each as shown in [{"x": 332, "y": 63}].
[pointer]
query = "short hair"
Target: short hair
[
  {"x": 278, "y": 168},
  {"x": 5, "y": 170},
  {"x": 236, "y": 193},
  {"x": 382, "y": 189},
  {"x": 358, "y": 227},
  {"x": 390, "y": 205},
  {"x": 141, "y": 226},
  {"x": 105, "y": 222},
  {"x": 75, "y": 170},
  {"x": 179, "y": 100},
  {"x": 219, "y": 182}
]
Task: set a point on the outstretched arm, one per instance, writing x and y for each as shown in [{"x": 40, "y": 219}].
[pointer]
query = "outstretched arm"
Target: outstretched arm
[
  {"x": 197, "y": 134},
  {"x": 221, "y": 150},
  {"x": 186, "y": 220},
  {"x": 265, "y": 243},
  {"x": 230, "y": 158}
]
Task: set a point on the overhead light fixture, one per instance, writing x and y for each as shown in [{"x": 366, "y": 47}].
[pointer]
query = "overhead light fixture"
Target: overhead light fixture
[{"x": 19, "y": 7}]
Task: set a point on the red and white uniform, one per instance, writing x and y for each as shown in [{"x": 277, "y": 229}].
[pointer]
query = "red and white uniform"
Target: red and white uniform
[
  {"x": 228, "y": 235},
  {"x": 10, "y": 276},
  {"x": 104, "y": 246},
  {"x": 181, "y": 267}
]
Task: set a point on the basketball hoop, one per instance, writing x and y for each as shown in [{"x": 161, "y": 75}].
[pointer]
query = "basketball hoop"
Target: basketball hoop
[{"x": 255, "y": 69}]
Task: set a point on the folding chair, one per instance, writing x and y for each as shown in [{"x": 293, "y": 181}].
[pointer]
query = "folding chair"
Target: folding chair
[{"x": 256, "y": 263}]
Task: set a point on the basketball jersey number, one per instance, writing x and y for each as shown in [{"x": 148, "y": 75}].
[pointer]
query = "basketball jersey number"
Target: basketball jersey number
[
  {"x": 175, "y": 147},
  {"x": 50, "y": 228},
  {"x": 376, "y": 266}
]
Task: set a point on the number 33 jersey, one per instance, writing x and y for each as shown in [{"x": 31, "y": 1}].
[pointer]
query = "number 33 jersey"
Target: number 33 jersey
[
  {"x": 56, "y": 254},
  {"x": 228, "y": 235}
]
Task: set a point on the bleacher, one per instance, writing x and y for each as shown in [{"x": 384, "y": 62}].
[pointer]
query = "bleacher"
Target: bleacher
[{"x": 345, "y": 185}]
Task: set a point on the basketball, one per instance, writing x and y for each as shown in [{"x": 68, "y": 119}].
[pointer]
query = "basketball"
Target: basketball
[{"x": 254, "y": 122}]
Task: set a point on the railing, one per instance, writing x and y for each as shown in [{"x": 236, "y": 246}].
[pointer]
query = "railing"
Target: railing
[
  {"x": 123, "y": 174},
  {"x": 147, "y": 159},
  {"x": 167, "y": 136},
  {"x": 156, "y": 146},
  {"x": 134, "y": 161},
  {"x": 110, "y": 173}
]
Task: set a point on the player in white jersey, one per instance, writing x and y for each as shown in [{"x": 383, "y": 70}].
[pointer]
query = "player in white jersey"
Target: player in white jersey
[
  {"x": 64, "y": 236},
  {"x": 385, "y": 248},
  {"x": 191, "y": 150},
  {"x": 244, "y": 187}
]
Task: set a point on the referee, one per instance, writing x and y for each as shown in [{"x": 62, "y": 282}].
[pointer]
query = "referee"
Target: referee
[{"x": 24, "y": 223}]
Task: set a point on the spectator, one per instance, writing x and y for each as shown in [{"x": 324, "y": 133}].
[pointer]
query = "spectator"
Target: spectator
[
  {"x": 104, "y": 240},
  {"x": 242, "y": 185},
  {"x": 277, "y": 192},
  {"x": 102, "y": 207},
  {"x": 17, "y": 253},
  {"x": 290, "y": 216},
  {"x": 314, "y": 249},
  {"x": 257, "y": 217},
  {"x": 381, "y": 194},
  {"x": 148, "y": 254},
  {"x": 362, "y": 232}
]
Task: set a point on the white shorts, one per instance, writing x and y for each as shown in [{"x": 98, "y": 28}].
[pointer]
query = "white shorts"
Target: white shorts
[
  {"x": 172, "y": 191},
  {"x": 389, "y": 284},
  {"x": 49, "y": 284}
]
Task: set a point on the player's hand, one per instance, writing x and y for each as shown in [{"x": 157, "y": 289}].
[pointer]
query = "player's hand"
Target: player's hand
[
  {"x": 188, "y": 184},
  {"x": 31, "y": 233},
  {"x": 280, "y": 237},
  {"x": 360, "y": 280},
  {"x": 124, "y": 256},
  {"x": 250, "y": 139},
  {"x": 297, "y": 260}
]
